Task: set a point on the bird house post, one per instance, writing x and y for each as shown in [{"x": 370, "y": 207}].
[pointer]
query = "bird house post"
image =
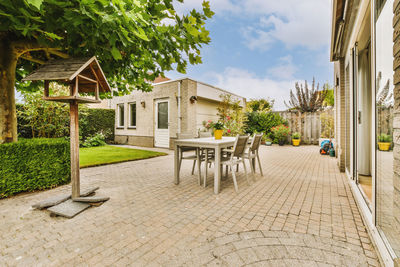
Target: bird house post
[{"x": 85, "y": 80}]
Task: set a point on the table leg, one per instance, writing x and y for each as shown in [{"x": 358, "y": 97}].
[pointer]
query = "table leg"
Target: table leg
[
  {"x": 217, "y": 170},
  {"x": 199, "y": 164},
  {"x": 206, "y": 169},
  {"x": 176, "y": 164}
]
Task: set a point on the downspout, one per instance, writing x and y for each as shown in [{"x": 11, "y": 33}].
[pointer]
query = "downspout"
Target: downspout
[{"x": 178, "y": 98}]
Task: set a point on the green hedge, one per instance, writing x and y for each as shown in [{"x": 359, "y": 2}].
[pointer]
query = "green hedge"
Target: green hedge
[
  {"x": 97, "y": 120},
  {"x": 33, "y": 164},
  {"x": 91, "y": 122}
]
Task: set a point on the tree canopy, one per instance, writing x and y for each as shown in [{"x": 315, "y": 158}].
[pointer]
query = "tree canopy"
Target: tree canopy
[
  {"x": 134, "y": 40},
  {"x": 260, "y": 105}
]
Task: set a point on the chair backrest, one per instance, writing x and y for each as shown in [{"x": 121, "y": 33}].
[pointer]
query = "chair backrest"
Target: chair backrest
[
  {"x": 184, "y": 136},
  {"x": 205, "y": 134},
  {"x": 255, "y": 143},
  {"x": 240, "y": 145}
]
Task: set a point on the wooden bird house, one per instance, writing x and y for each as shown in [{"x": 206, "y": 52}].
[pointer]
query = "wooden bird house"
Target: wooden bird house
[{"x": 86, "y": 81}]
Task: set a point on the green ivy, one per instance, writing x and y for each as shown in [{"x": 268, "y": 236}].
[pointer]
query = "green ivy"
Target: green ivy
[{"x": 33, "y": 164}]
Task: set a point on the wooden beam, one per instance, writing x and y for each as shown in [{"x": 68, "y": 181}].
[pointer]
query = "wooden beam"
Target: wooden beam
[
  {"x": 87, "y": 78},
  {"x": 74, "y": 143},
  {"x": 97, "y": 77},
  {"x": 46, "y": 89},
  {"x": 33, "y": 59},
  {"x": 76, "y": 87},
  {"x": 96, "y": 93}
]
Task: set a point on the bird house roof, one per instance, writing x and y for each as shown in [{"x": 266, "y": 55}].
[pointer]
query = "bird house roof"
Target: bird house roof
[{"x": 66, "y": 70}]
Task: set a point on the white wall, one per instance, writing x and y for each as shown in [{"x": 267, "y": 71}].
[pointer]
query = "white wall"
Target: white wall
[
  {"x": 205, "y": 110},
  {"x": 213, "y": 93}
]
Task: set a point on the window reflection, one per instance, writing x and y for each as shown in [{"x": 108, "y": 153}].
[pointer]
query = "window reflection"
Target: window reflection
[{"x": 388, "y": 205}]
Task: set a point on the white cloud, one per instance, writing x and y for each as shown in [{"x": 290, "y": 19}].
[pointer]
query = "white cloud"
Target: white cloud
[
  {"x": 285, "y": 70},
  {"x": 247, "y": 84},
  {"x": 292, "y": 22}
]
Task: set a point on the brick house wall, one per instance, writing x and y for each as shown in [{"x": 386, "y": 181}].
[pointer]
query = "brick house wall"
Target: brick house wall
[{"x": 143, "y": 134}]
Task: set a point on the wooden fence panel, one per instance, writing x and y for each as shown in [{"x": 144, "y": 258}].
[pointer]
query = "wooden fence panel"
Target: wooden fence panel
[{"x": 307, "y": 124}]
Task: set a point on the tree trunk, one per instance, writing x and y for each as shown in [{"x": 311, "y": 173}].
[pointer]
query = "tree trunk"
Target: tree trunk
[{"x": 8, "y": 115}]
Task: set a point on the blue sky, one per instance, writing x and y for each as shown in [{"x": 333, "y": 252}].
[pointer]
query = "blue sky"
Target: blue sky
[{"x": 260, "y": 48}]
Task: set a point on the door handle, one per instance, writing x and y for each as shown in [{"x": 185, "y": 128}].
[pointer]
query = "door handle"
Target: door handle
[{"x": 359, "y": 117}]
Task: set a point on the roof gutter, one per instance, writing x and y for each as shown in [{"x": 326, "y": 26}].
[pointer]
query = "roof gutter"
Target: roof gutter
[{"x": 337, "y": 39}]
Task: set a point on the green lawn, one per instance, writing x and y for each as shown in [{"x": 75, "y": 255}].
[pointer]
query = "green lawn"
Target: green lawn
[{"x": 94, "y": 156}]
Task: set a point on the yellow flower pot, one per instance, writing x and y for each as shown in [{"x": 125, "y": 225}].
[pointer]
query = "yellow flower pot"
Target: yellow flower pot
[
  {"x": 218, "y": 134},
  {"x": 384, "y": 146},
  {"x": 296, "y": 142}
]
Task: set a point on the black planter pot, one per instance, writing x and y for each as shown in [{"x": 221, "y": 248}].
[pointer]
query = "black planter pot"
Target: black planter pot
[{"x": 281, "y": 142}]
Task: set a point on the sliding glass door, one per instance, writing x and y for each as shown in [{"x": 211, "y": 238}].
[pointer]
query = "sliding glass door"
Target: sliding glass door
[{"x": 387, "y": 179}]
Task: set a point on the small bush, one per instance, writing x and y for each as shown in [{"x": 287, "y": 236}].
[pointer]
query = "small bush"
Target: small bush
[
  {"x": 95, "y": 140},
  {"x": 33, "y": 164}
]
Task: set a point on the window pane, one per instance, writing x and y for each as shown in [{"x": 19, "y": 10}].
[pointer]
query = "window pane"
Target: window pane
[
  {"x": 132, "y": 115},
  {"x": 388, "y": 194},
  {"x": 121, "y": 115},
  {"x": 162, "y": 115}
]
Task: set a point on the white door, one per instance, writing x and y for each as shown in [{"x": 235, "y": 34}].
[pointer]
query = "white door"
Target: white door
[{"x": 161, "y": 133}]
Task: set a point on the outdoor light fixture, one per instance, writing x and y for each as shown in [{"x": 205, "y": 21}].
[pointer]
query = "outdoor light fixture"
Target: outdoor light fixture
[
  {"x": 143, "y": 103},
  {"x": 193, "y": 98}
]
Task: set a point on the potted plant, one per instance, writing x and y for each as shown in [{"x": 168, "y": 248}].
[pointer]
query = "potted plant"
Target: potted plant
[
  {"x": 384, "y": 142},
  {"x": 296, "y": 139},
  {"x": 281, "y": 132},
  {"x": 268, "y": 141},
  {"x": 218, "y": 129}
]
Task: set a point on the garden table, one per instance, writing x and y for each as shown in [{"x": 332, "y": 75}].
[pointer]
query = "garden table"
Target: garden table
[{"x": 208, "y": 142}]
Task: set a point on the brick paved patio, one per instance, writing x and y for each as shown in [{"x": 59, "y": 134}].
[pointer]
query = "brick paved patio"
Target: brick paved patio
[{"x": 301, "y": 212}]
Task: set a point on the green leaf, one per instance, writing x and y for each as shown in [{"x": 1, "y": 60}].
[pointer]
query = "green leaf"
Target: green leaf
[
  {"x": 115, "y": 53},
  {"x": 35, "y": 3},
  {"x": 141, "y": 34}
]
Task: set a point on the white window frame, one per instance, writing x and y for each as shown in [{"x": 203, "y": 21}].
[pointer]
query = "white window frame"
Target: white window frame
[
  {"x": 119, "y": 114},
  {"x": 130, "y": 114}
]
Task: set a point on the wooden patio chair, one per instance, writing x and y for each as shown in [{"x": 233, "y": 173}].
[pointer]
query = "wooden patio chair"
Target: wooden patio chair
[
  {"x": 252, "y": 153},
  {"x": 233, "y": 157}
]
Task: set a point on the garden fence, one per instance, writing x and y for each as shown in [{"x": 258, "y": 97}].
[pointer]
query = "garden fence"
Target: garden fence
[{"x": 311, "y": 125}]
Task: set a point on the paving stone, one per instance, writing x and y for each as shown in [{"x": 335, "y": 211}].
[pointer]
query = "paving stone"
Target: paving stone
[
  {"x": 51, "y": 201},
  {"x": 151, "y": 221},
  {"x": 69, "y": 208},
  {"x": 91, "y": 199}
]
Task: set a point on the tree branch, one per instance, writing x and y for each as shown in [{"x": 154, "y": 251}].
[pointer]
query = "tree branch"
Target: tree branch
[
  {"x": 32, "y": 59},
  {"x": 55, "y": 51}
]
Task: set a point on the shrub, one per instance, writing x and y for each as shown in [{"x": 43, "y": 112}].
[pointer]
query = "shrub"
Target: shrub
[
  {"x": 39, "y": 118},
  {"x": 95, "y": 140},
  {"x": 384, "y": 138},
  {"x": 96, "y": 120},
  {"x": 262, "y": 122},
  {"x": 231, "y": 114},
  {"x": 33, "y": 164},
  {"x": 281, "y": 132}
]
